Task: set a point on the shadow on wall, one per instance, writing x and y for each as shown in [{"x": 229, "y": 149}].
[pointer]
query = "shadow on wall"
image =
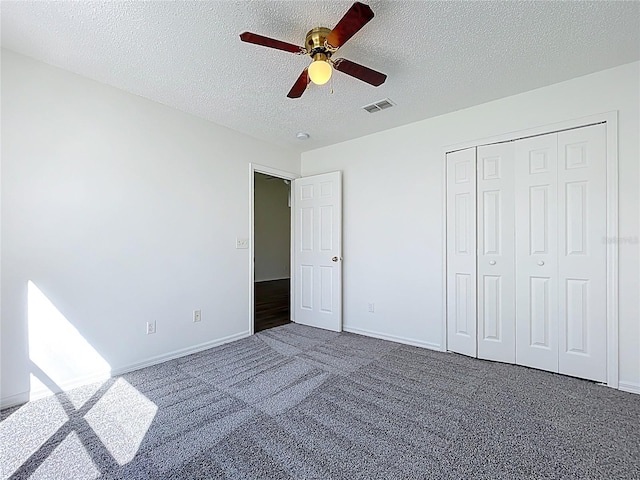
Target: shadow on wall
[{"x": 42, "y": 437}]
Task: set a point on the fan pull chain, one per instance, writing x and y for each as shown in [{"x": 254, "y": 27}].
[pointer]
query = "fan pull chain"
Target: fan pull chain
[{"x": 331, "y": 86}]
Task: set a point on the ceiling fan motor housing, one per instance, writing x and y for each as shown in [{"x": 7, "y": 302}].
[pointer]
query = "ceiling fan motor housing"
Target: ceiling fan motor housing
[{"x": 315, "y": 42}]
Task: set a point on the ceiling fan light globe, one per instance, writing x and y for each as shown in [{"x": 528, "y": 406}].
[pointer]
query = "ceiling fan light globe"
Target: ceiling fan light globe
[{"x": 320, "y": 72}]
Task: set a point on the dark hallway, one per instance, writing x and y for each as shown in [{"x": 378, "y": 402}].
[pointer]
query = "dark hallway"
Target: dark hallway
[{"x": 271, "y": 304}]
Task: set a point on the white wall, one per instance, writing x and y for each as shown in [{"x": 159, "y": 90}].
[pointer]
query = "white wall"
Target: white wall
[
  {"x": 393, "y": 206},
  {"x": 120, "y": 210},
  {"x": 272, "y": 229}
]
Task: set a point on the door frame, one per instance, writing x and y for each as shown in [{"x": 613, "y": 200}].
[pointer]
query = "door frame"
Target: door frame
[
  {"x": 611, "y": 121},
  {"x": 284, "y": 175}
]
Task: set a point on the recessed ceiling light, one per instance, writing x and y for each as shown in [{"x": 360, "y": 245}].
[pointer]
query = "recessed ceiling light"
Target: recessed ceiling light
[{"x": 302, "y": 136}]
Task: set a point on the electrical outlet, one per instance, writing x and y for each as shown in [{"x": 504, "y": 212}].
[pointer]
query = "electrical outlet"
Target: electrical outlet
[
  {"x": 151, "y": 327},
  {"x": 197, "y": 315},
  {"x": 372, "y": 307},
  {"x": 242, "y": 243}
]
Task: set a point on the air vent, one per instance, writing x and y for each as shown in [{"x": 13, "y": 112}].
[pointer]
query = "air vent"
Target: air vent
[{"x": 377, "y": 106}]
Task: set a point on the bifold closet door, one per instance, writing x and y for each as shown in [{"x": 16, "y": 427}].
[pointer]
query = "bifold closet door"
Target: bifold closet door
[
  {"x": 536, "y": 172},
  {"x": 582, "y": 252},
  {"x": 496, "y": 252},
  {"x": 560, "y": 253},
  {"x": 461, "y": 251}
]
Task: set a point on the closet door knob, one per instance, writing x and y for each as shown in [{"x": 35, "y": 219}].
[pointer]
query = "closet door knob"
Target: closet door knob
[
  {"x": 541, "y": 263},
  {"x": 492, "y": 262}
]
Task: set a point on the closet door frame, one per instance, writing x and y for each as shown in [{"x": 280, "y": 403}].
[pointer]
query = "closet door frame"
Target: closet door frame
[{"x": 611, "y": 121}]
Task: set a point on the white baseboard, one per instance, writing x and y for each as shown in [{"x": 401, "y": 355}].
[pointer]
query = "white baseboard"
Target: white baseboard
[
  {"x": 393, "y": 338},
  {"x": 36, "y": 394},
  {"x": 13, "y": 400},
  {"x": 183, "y": 352},
  {"x": 629, "y": 387},
  {"x": 287, "y": 277},
  {"x": 47, "y": 391},
  {"x": 23, "y": 397}
]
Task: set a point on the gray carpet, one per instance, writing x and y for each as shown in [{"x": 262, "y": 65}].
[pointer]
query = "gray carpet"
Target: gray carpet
[{"x": 297, "y": 402}]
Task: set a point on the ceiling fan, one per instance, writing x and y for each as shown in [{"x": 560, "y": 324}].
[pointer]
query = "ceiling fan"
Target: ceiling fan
[{"x": 320, "y": 44}]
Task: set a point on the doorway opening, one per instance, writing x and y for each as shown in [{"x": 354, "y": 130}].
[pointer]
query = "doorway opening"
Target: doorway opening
[{"x": 272, "y": 251}]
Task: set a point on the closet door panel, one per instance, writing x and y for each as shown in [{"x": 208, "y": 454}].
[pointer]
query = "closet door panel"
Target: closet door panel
[
  {"x": 536, "y": 164},
  {"x": 582, "y": 252},
  {"x": 461, "y": 252},
  {"x": 496, "y": 276}
]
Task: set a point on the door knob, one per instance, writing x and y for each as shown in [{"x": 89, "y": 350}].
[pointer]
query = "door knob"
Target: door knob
[
  {"x": 541, "y": 263},
  {"x": 492, "y": 262},
  {"x": 334, "y": 259}
]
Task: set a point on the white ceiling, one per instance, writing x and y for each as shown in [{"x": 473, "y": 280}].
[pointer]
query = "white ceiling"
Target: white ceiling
[{"x": 439, "y": 56}]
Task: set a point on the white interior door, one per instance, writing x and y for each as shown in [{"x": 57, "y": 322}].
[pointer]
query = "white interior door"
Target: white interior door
[
  {"x": 582, "y": 252},
  {"x": 461, "y": 252},
  {"x": 496, "y": 251},
  {"x": 317, "y": 241},
  {"x": 536, "y": 252}
]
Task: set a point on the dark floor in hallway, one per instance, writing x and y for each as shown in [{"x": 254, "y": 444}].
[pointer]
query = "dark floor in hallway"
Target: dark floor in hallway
[{"x": 272, "y": 304}]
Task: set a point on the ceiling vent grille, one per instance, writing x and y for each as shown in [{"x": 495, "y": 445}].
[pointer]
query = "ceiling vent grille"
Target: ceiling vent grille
[{"x": 378, "y": 106}]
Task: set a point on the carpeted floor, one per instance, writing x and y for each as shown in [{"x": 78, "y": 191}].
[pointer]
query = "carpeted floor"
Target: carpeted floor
[{"x": 297, "y": 402}]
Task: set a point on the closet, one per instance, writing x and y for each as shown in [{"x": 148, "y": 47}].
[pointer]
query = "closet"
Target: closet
[{"x": 526, "y": 252}]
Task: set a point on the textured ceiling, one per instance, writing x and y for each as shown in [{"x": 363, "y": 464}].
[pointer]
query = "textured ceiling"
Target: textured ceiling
[{"x": 439, "y": 56}]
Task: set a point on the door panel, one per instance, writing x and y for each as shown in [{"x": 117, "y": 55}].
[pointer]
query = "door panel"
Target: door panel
[
  {"x": 492, "y": 315},
  {"x": 496, "y": 276},
  {"x": 540, "y": 312},
  {"x": 539, "y": 301},
  {"x": 464, "y": 323},
  {"x": 582, "y": 256},
  {"x": 536, "y": 252},
  {"x": 461, "y": 252},
  {"x": 539, "y": 206},
  {"x": 317, "y": 241}
]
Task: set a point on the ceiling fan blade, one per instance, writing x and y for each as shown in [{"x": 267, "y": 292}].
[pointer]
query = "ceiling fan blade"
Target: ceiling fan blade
[
  {"x": 270, "y": 42},
  {"x": 300, "y": 86},
  {"x": 355, "y": 18},
  {"x": 360, "y": 72}
]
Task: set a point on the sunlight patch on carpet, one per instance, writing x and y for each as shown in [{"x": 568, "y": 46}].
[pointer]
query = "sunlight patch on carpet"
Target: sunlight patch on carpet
[
  {"x": 121, "y": 419},
  {"x": 70, "y": 459},
  {"x": 25, "y": 431}
]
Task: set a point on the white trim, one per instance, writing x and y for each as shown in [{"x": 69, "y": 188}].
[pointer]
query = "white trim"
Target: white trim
[
  {"x": 13, "y": 400},
  {"x": 539, "y": 130},
  {"x": 629, "y": 387},
  {"x": 39, "y": 393},
  {"x": 443, "y": 333},
  {"x": 272, "y": 279},
  {"x": 393, "y": 338},
  {"x": 183, "y": 352},
  {"x": 292, "y": 259},
  {"x": 612, "y": 251},
  {"x": 611, "y": 120},
  {"x": 274, "y": 172}
]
